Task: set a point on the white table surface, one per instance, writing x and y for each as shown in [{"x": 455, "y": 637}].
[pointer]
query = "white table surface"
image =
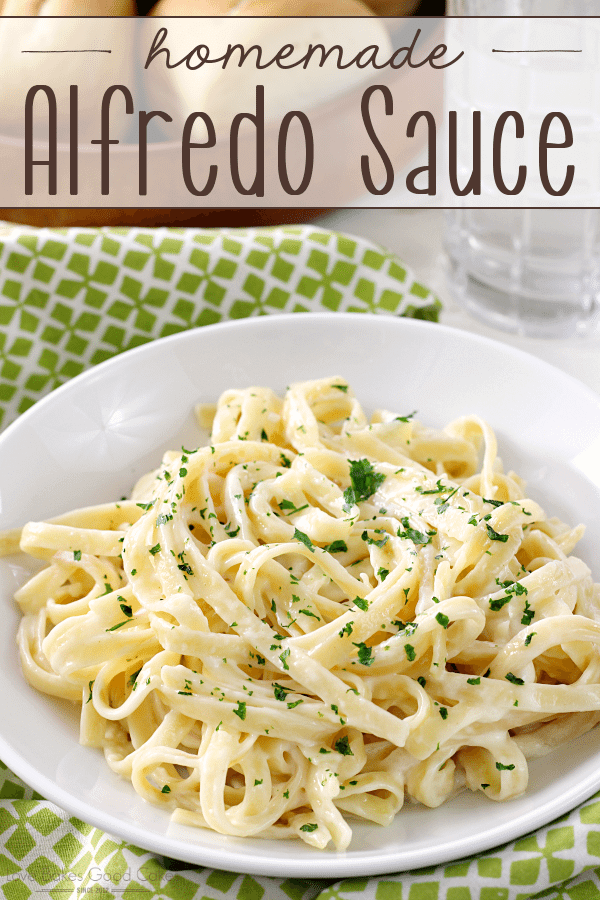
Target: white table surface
[{"x": 416, "y": 236}]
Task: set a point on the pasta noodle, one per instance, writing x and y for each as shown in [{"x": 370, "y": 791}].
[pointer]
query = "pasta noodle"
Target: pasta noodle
[{"x": 314, "y": 617}]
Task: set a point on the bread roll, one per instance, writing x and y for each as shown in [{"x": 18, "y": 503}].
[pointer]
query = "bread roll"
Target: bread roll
[
  {"x": 59, "y": 25},
  {"x": 320, "y": 8},
  {"x": 314, "y": 8},
  {"x": 393, "y": 7},
  {"x": 224, "y": 92},
  {"x": 68, "y": 8},
  {"x": 192, "y": 7}
]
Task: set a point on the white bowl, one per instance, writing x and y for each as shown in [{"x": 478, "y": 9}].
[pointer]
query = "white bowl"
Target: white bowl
[{"x": 90, "y": 440}]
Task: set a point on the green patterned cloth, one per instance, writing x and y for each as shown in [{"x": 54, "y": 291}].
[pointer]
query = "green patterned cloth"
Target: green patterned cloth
[
  {"x": 72, "y": 298},
  {"x": 47, "y": 853}
]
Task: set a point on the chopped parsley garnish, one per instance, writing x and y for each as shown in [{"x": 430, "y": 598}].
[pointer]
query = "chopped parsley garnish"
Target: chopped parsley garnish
[
  {"x": 493, "y": 502},
  {"x": 303, "y": 538},
  {"x": 146, "y": 506},
  {"x": 285, "y": 462},
  {"x": 502, "y": 768},
  {"x": 90, "y": 686},
  {"x": 362, "y": 604},
  {"x": 341, "y": 387},
  {"x": 283, "y": 657},
  {"x": 421, "y": 681},
  {"x": 443, "y": 503},
  {"x": 310, "y": 826},
  {"x": 279, "y": 692},
  {"x": 442, "y": 620},
  {"x": 474, "y": 680},
  {"x": 347, "y": 629},
  {"x": 163, "y": 518},
  {"x": 410, "y": 651},
  {"x": 288, "y": 505},
  {"x": 528, "y": 614},
  {"x": 154, "y": 550},
  {"x": 436, "y": 490},
  {"x": 382, "y": 573},
  {"x": 118, "y": 625},
  {"x": 377, "y": 543},
  {"x": 513, "y": 678},
  {"x": 500, "y": 602},
  {"x": 342, "y": 745},
  {"x": 406, "y": 418},
  {"x": 308, "y": 612},
  {"x": 365, "y": 656},
  {"x": 443, "y": 712},
  {"x": 494, "y": 536},
  {"x": 240, "y": 710},
  {"x": 528, "y": 638},
  {"x": 336, "y": 547},
  {"x": 165, "y": 789},
  {"x": 512, "y": 588},
  {"x": 125, "y": 608},
  {"x": 133, "y": 678},
  {"x": 77, "y": 555},
  {"x": 364, "y": 481},
  {"x": 411, "y": 534},
  {"x": 186, "y": 568}
]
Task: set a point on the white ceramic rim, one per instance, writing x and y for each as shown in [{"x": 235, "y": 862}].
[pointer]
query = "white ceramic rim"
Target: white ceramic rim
[{"x": 282, "y": 859}]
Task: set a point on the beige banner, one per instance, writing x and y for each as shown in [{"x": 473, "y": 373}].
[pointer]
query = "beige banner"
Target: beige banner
[{"x": 235, "y": 112}]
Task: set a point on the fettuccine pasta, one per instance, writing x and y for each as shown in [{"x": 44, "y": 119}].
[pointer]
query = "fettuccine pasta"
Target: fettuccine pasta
[{"x": 314, "y": 617}]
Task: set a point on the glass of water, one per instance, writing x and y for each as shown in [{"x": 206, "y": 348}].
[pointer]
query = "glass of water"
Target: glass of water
[{"x": 532, "y": 271}]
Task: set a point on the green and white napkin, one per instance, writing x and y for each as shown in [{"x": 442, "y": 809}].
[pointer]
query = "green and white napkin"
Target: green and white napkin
[
  {"x": 46, "y": 853},
  {"x": 72, "y": 298}
]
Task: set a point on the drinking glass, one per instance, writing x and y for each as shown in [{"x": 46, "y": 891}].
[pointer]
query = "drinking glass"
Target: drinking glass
[{"x": 533, "y": 271}]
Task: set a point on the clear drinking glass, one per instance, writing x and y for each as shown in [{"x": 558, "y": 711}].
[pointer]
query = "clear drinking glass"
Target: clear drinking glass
[{"x": 528, "y": 271}]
